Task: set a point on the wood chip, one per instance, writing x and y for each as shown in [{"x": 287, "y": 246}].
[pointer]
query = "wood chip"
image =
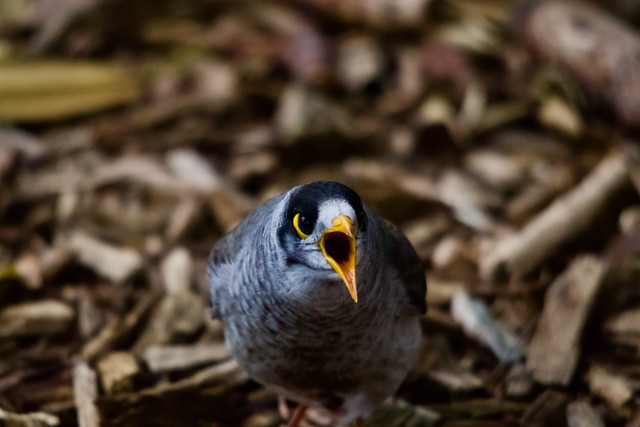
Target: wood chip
[
  {"x": 119, "y": 331},
  {"x": 194, "y": 170},
  {"x": 440, "y": 292},
  {"x": 177, "y": 271},
  {"x": 557, "y": 114},
  {"x": 55, "y": 259},
  {"x": 457, "y": 380},
  {"x": 33, "y": 419},
  {"x": 468, "y": 199},
  {"x": 44, "y": 317},
  {"x": 477, "y": 321},
  {"x": 229, "y": 207},
  {"x": 90, "y": 318},
  {"x": 359, "y": 60},
  {"x": 208, "y": 394},
  {"x": 548, "y": 410},
  {"x": 29, "y": 145},
  {"x": 177, "y": 317},
  {"x": 85, "y": 391},
  {"x": 139, "y": 169},
  {"x": 535, "y": 196},
  {"x": 480, "y": 423},
  {"x": 29, "y": 269},
  {"x": 615, "y": 389},
  {"x": 439, "y": 364},
  {"x": 118, "y": 372},
  {"x": 564, "y": 219},
  {"x": 495, "y": 168},
  {"x": 581, "y": 414},
  {"x": 262, "y": 419},
  {"x": 182, "y": 218},
  {"x": 625, "y": 323},
  {"x": 594, "y": 46},
  {"x": 478, "y": 408},
  {"x": 161, "y": 359},
  {"x": 400, "y": 414},
  {"x": 303, "y": 112},
  {"x": 519, "y": 381},
  {"x": 113, "y": 262},
  {"x": 554, "y": 350}
]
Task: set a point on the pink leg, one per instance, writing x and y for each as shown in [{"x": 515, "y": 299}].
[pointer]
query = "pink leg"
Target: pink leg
[{"x": 298, "y": 415}]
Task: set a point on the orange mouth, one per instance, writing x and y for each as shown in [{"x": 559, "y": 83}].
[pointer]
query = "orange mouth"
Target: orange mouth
[{"x": 338, "y": 245}]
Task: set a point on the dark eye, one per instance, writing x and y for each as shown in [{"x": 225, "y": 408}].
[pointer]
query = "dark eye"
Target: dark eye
[{"x": 303, "y": 226}]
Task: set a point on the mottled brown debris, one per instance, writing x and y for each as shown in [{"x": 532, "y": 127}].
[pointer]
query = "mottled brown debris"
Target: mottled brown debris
[{"x": 497, "y": 135}]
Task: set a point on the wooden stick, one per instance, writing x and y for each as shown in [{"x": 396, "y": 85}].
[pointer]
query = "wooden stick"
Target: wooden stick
[
  {"x": 85, "y": 391},
  {"x": 555, "y": 347},
  {"x": 566, "y": 218}
]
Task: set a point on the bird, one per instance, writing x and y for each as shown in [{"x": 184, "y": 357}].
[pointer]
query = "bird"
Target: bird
[{"x": 320, "y": 300}]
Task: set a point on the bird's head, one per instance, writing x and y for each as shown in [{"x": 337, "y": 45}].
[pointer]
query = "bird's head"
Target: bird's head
[{"x": 323, "y": 222}]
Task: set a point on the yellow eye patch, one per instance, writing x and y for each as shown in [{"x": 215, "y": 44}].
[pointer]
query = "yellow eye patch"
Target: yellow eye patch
[{"x": 297, "y": 227}]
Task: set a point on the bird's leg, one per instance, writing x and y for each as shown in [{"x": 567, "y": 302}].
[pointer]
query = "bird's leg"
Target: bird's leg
[
  {"x": 359, "y": 422},
  {"x": 298, "y": 415}
]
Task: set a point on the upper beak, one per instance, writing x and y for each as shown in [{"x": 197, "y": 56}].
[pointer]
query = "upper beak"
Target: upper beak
[{"x": 338, "y": 244}]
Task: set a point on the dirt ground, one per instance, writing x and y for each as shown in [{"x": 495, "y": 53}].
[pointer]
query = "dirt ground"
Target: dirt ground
[{"x": 500, "y": 136}]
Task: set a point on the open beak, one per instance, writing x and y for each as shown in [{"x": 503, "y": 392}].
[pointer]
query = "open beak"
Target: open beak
[{"x": 338, "y": 244}]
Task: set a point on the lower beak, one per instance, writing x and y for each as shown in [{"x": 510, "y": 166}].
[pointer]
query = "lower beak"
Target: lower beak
[{"x": 338, "y": 244}]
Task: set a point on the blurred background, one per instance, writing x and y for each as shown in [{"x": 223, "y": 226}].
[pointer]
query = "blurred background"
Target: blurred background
[{"x": 501, "y": 137}]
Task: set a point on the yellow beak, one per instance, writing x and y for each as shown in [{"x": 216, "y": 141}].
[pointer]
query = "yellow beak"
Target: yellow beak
[{"x": 338, "y": 244}]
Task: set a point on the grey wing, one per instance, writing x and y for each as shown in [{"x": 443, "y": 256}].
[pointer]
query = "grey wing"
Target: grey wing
[
  {"x": 220, "y": 265},
  {"x": 403, "y": 257}
]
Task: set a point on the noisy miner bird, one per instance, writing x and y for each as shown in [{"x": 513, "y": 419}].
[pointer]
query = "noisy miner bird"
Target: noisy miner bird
[{"x": 320, "y": 300}]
